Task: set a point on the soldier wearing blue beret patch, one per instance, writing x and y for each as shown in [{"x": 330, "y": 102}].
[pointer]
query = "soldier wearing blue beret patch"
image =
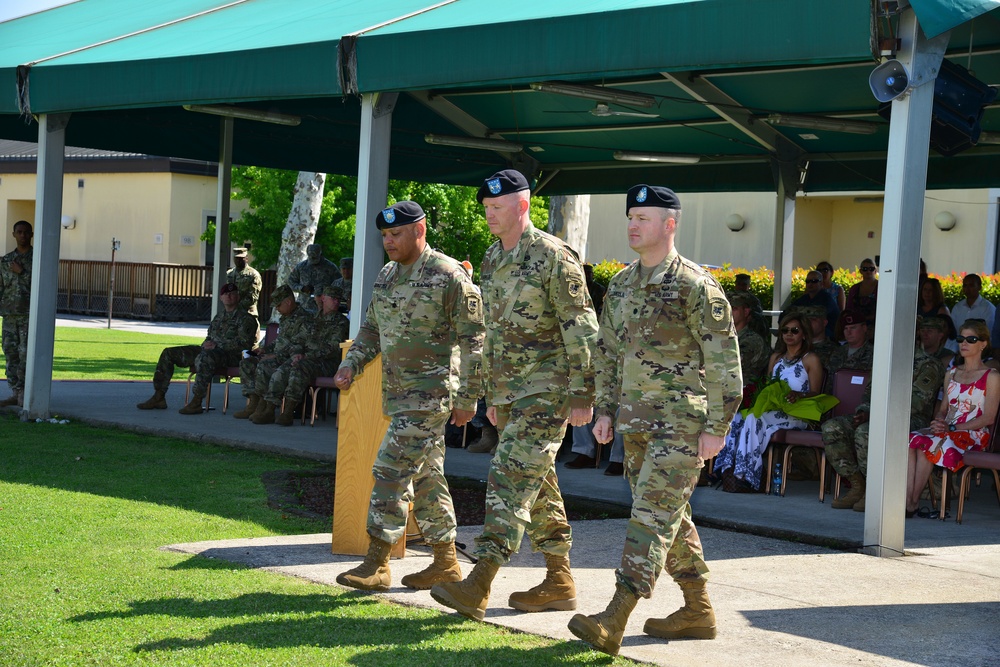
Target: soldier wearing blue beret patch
[
  {"x": 669, "y": 380},
  {"x": 502, "y": 183}
]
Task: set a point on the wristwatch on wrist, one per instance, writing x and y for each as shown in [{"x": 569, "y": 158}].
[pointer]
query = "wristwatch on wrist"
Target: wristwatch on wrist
[{"x": 952, "y": 428}]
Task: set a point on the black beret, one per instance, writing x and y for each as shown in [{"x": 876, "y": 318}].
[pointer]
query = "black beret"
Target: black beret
[
  {"x": 399, "y": 214},
  {"x": 502, "y": 183},
  {"x": 651, "y": 195}
]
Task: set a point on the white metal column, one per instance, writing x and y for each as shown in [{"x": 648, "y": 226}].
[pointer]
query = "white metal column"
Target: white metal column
[
  {"x": 784, "y": 242},
  {"x": 373, "y": 188},
  {"x": 222, "y": 200},
  {"x": 892, "y": 372},
  {"x": 45, "y": 265}
]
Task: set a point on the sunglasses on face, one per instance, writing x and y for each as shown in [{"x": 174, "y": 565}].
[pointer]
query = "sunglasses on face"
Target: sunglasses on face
[
  {"x": 810, "y": 282},
  {"x": 795, "y": 330},
  {"x": 866, "y": 269},
  {"x": 968, "y": 339}
]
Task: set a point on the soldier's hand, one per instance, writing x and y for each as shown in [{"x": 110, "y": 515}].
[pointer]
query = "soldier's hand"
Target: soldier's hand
[
  {"x": 709, "y": 445},
  {"x": 461, "y": 417},
  {"x": 860, "y": 418},
  {"x": 16, "y": 267},
  {"x": 604, "y": 430},
  {"x": 343, "y": 378},
  {"x": 581, "y": 416},
  {"x": 491, "y": 414}
]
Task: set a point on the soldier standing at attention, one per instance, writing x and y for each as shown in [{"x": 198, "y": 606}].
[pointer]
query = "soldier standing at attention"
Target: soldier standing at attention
[
  {"x": 246, "y": 278},
  {"x": 426, "y": 318},
  {"x": 15, "y": 295},
  {"x": 538, "y": 371},
  {"x": 311, "y": 275},
  {"x": 669, "y": 357},
  {"x": 232, "y": 331}
]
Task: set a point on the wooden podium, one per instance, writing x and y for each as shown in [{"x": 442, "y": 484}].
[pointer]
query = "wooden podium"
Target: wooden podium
[{"x": 361, "y": 428}]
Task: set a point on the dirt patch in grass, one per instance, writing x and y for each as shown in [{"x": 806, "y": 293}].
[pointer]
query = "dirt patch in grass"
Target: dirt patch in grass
[{"x": 310, "y": 493}]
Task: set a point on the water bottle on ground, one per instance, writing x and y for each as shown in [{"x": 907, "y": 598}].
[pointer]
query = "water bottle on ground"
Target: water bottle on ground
[{"x": 776, "y": 480}]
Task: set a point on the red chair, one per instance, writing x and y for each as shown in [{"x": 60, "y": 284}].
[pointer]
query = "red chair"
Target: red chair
[
  {"x": 849, "y": 388},
  {"x": 988, "y": 459}
]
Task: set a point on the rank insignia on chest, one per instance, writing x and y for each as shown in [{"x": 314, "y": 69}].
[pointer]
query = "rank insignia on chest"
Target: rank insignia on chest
[{"x": 574, "y": 289}]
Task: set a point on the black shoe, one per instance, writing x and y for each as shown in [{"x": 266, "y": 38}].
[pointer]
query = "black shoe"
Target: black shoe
[
  {"x": 615, "y": 469},
  {"x": 582, "y": 461}
]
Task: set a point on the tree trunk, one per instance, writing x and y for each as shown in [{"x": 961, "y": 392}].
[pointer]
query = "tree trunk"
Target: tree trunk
[
  {"x": 300, "y": 229},
  {"x": 569, "y": 219}
]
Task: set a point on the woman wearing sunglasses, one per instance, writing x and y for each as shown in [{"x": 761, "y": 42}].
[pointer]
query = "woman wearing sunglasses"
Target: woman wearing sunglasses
[
  {"x": 793, "y": 362},
  {"x": 963, "y": 417},
  {"x": 833, "y": 289},
  {"x": 862, "y": 296}
]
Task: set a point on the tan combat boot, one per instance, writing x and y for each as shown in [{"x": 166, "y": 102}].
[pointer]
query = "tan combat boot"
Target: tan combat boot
[
  {"x": 373, "y": 573},
  {"x": 604, "y": 631},
  {"x": 470, "y": 596},
  {"x": 264, "y": 414},
  {"x": 253, "y": 400},
  {"x": 443, "y": 569},
  {"x": 287, "y": 416},
  {"x": 557, "y": 591},
  {"x": 696, "y": 619},
  {"x": 158, "y": 401},
  {"x": 856, "y": 493},
  {"x": 193, "y": 407}
]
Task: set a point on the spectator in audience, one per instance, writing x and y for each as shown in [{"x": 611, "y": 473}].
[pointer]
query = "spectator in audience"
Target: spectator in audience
[
  {"x": 846, "y": 437},
  {"x": 862, "y": 296},
  {"x": 821, "y": 345},
  {"x": 346, "y": 279},
  {"x": 815, "y": 296},
  {"x": 231, "y": 331},
  {"x": 754, "y": 350},
  {"x": 857, "y": 353},
  {"x": 973, "y": 306},
  {"x": 758, "y": 321},
  {"x": 931, "y": 303},
  {"x": 311, "y": 275},
  {"x": 933, "y": 332},
  {"x": 962, "y": 420},
  {"x": 833, "y": 289},
  {"x": 792, "y": 362},
  {"x": 246, "y": 279}
]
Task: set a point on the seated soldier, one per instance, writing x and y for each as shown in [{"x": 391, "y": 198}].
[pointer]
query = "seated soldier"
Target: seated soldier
[
  {"x": 822, "y": 346},
  {"x": 232, "y": 331},
  {"x": 754, "y": 350},
  {"x": 933, "y": 334},
  {"x": 320, "y": 357},
  {"x": 846, "y": 437},
  {"x": 258, "y": 366},
  {"x": 857, "y": 353}
]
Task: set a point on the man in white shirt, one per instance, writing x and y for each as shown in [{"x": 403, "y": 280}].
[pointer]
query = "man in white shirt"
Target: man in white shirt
[{"x": 973, "y": 307}]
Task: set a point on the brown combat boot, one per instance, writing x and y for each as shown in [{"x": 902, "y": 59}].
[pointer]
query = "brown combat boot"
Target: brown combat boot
[
  {"x": 20, "y": 398},
  {"x": 696, "y": 619},
  {"x": 194, "y": 406},
  {"x": 557, "y": 591},
  {"x": 470, "y": 596},
  {"x": 487, "y": 442},
  {"x": 604, "y": 631},
  {"x": 443, "y": 569},
  {"x": 253, "y": 400},
  {"x": 287, "y": 416},
  {"x": 264, "y": 414},
  {"x": 373, "y": 573},
  {"x": 158, "y": 401},
  {"x": 856, "y": 493}
]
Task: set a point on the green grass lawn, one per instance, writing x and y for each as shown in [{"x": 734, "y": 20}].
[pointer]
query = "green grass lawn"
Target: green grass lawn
[{"x": 83, "y": 512}]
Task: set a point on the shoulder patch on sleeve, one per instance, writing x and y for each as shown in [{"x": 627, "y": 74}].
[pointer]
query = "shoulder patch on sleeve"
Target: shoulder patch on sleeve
[{"x": 718, "y": 315}]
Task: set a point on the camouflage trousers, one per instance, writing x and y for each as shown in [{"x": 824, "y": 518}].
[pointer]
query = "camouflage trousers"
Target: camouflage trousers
[
  {"x": 255, "y": 374},
  {"x": 522, "y": 491},
  {"x": 15, "y": 349},
  {"x": 846, "y": 446},
  {"x": 662, "y": 471},
  {"x": 206, "y": 364},
  {"x": 410, "y": 468},
  {"x": 292, "y": 380}
]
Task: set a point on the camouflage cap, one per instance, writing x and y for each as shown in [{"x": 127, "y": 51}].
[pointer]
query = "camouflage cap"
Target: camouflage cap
[
  {"x": 934, "y": 322},
  {"x": 239, "y": 252},
  {"x": 813, "y": 312},
  {"x": 281, "y": 293},
  {"x": 333, "y": 292},
  {"x": 740, "y": 298}
]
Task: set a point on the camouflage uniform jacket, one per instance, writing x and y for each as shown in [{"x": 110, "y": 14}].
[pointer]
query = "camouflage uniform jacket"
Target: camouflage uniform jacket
[
  {"x": 928, "y": 375},
  {"x": 859, "y": 361},
  {"x": 428, "y": 324},
  {"x": 329, "y": 331},
  {"x": 15, "y": 288},
  {"x": 541, "y": 325},
  {"x": 824, "y": 350},
  {"x": 668, "y": 355},
  {"x": 754, "y": 354},
  {"x": 317, "y": 275},
  {"x": 293, "y": 334},
  {"x": 249, "y": 284},
  {"x": 234, "y": 331}
]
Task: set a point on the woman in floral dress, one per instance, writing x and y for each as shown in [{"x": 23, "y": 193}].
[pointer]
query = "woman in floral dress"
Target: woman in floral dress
[{"x": 963, "y": 419}]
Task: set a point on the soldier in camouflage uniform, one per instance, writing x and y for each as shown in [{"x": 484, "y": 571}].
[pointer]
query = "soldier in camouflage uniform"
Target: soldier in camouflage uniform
[
  {"x": 311, "y": 275},
  {"x": 754, "y": 351},
  {"x": 346, "y": 279},
  {"x": 538, "y": 371},
  {"x": 822, "y": 346},
  {"x": 933, "y": 333},
  {"x": 246, "y": 278},
  {"x": 856, "y": 354},
  {"x": 15, "y": 295},
  {"x": 426, "y": 318},
  {"x": 669, "y": 357},
  {"x": 232, "y": 331},
  {"x": 257, "y": 368},
  {"x": 320, "y": 356},
  {"x": 846, "y": 437}
]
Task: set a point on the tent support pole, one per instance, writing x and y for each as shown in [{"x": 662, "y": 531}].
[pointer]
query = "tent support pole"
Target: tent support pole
[{"x": 222, "y": 201}]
